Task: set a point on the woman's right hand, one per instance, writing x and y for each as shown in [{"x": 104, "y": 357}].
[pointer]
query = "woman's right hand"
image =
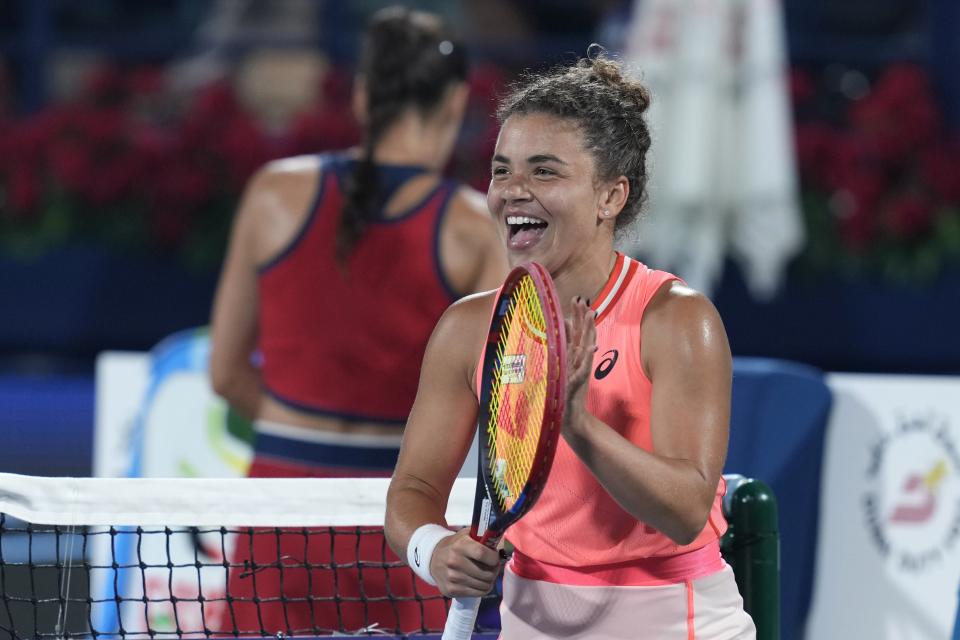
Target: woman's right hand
[{"x": 463, "y": 567}]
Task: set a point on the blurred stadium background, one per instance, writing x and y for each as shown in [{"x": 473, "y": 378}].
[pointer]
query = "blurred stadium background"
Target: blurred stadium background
[{"x": 128, "y": 129}]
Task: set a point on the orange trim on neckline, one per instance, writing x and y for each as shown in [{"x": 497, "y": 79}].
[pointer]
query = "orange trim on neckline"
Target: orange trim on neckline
[
  {"x": 611, "y": 280},
  {"x": 621, "y": 274}
]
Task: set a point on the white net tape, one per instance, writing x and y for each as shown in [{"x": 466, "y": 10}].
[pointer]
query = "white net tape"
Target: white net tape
[{"x": 254, "y": 502}]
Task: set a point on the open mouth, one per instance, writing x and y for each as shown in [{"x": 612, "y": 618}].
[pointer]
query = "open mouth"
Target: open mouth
[{"x": 525, "y": 231}]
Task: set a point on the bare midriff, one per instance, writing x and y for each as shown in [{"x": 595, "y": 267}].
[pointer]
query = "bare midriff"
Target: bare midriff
[{"x": 273, "y": 411}]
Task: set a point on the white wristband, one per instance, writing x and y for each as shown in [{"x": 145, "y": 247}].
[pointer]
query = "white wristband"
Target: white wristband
[{"x": 420, "y": 549}]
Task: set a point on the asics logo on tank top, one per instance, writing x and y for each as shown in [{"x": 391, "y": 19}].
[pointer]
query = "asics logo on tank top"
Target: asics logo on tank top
[{"x": 606, "y": 365}]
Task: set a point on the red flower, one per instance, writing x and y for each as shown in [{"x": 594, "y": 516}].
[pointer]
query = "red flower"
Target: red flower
[
  {"x": 151, "y": 150},
  {"x": 802, "y": 86},
  {"x": 898, "y": 116},
  {"x": 183, "y": 186},
  {"x": 857, "y": 231},
  {"x": 920, "y": 118},
  {"x": 880, "y": 128},
  {"x": 855, "y": 203},
  {"x": 106, "y": 127},
  {"x": 30, "y": 137},
  {"x": 6, "y": 90},
  {"x": 214, "y": 103},
  {"x": 940, "y": 168},
  {"x": 146, "y": 82},
  {"x": 242, "y": 148},
  {"x": 322, "y": 130},
  {"x": 848, "y": 156},
  {"x": 23, "y": 192},
  {"x": 202, "y": 127},
  {"x": 112, "y": 181},
  {"x": 901, "y": 83},
  {"x": 71, "y": 164},
  {"x": 827, "y": 157},
  {"x": 168, "y": 226},
  {"x": 50, "y": 126},
  {"x": 486, "y": 83},
  {"x": 105, "y": 86},
  {"x": 7, "y": 146},
  {"x": 908, "y": 216},
  {"x": 336, "y": 89},
  {"x": 814, "y": 146}
]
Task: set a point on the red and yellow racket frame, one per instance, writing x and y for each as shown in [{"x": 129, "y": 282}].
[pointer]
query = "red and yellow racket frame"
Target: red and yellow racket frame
[
  {"x": 489, "y": 519},
  {"x": 490, "y": 522}
]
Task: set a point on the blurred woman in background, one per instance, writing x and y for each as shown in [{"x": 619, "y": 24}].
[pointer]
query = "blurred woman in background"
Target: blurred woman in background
[{"x": 338, "y": 268}]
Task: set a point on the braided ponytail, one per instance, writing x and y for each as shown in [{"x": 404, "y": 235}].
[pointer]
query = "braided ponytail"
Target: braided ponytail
[{"x": 408, "y": 61}]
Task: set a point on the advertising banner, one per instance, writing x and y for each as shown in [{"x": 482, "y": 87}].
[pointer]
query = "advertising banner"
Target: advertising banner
[
  {"x": 158, "y": 417},
  {"x": 888, "y": 561}
]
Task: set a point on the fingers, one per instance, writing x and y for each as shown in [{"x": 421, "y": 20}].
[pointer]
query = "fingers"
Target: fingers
[
  {"x": 464, "y": 567},
  {"x": 590, "y": 335},
  {"x": 581, "y": 337},
  {"x": 576, "y": 321}
]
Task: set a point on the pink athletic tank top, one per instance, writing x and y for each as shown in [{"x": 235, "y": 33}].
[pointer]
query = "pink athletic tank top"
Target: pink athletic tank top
[{"x": 576, "y": 523}]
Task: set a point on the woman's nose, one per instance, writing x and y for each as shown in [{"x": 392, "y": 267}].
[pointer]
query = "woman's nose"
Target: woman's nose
[{"x": 516, "y": 188}]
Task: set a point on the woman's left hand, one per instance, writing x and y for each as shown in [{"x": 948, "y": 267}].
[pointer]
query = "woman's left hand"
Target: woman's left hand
[{"x": 581, "y": 345}]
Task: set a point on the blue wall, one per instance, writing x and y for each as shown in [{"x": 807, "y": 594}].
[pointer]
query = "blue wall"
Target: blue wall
[{"x": 46, "y": 425}]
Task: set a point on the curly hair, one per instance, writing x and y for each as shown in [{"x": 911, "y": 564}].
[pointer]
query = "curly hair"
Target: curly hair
[{"x": 606, "y": 106}]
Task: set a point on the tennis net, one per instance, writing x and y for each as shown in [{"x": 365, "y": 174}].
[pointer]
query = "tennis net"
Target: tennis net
[{"x": 194, "y": 558}]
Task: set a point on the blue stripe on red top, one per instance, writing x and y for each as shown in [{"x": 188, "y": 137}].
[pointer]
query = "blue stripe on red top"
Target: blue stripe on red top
[{"x": 327, "y": 453}]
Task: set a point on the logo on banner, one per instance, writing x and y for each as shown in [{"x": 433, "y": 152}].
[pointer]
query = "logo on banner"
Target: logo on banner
[
  {"x": 912, "y": 501},
  {"x": 181, "y": 430}
]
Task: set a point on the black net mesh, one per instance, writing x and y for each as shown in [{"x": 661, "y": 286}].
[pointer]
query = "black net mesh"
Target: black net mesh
[{"x": 140, "y": 582}]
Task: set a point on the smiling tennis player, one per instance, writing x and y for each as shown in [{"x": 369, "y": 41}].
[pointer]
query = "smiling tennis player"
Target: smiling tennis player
[{"x": 624, "y": 540}]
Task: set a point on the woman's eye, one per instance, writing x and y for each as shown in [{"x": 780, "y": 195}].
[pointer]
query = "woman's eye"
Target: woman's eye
[
  {"x": 542, "y": 171},
  {"x": 499, "y": 171}
]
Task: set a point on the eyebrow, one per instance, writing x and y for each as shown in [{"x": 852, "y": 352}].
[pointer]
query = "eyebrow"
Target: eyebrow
[{"x": 534, "y": 159}]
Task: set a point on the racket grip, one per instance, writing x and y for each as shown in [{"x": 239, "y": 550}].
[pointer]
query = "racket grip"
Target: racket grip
[{"x": 461, "y": 619}]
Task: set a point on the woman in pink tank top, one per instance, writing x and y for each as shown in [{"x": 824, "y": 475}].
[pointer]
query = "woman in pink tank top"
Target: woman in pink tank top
[{"x": 623, "y": 542}]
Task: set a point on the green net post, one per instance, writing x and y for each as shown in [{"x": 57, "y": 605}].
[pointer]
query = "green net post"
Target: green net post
[{"x": 752, "y": 547}]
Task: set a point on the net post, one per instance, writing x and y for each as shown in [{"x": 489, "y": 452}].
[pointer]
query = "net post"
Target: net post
[{"x": 751, "y": 547}]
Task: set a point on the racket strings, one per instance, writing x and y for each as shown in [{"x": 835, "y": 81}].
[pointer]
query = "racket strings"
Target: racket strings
[{"x": 518, "y": 393}]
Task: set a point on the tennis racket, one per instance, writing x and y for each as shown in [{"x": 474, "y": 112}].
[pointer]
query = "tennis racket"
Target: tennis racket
[{"x": 522, "y": 395}]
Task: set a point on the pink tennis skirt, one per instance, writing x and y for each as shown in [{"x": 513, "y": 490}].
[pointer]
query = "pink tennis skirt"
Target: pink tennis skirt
[{"x": 705, "y": 608}]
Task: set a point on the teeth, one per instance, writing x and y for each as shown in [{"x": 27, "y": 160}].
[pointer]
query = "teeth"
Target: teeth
[{"x": 524, "y": 220}]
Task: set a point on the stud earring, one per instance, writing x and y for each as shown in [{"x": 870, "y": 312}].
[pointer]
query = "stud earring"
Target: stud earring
[{"x": 606, "y": 213}]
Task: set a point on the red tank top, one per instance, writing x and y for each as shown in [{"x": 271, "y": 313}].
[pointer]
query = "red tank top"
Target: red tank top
[
  {"x": 575, "y": 522},
  {"x": 348, "y": 342}
]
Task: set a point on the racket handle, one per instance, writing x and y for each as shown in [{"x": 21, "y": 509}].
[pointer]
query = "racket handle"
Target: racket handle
[{"x": 461, "y": 619}]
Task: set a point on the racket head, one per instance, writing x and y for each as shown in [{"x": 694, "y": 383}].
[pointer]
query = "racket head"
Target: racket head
[{"x": 522, "y": 396}]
